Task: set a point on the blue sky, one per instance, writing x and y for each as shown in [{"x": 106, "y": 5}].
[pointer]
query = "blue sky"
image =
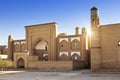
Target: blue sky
[{"x": 15, "y": 14}]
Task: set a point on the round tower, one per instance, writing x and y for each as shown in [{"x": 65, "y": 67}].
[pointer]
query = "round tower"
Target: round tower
[
  {"x": 84, "y": 31},
  {"x": 95, "y": 50},
  {"x": 10, "y": 47},
  {"x": 94, "y": 17},
  {"x": 77, "y": 31}
]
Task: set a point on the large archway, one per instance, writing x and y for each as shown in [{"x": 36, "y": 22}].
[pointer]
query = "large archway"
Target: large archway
[
  {"x": 41, "y": 49},
  {"x": 20, "y": 63}
]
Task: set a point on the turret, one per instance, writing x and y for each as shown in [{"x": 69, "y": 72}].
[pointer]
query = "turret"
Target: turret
[
  {"x": 84, "y": 31},
  {"x": 94, "y": 17},
  {"x": 10, "y": 47},
  {"x": 77, "y": 31},
  {"x": 95, "y": 37}
]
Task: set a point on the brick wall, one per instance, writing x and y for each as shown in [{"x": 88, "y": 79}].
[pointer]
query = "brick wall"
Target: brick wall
[{"x": 51, "y": 65}]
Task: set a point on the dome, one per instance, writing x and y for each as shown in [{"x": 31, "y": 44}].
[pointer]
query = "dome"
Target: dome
[
  {"x": 94, "y": 8},
  {"x": 62, "y": 34}
]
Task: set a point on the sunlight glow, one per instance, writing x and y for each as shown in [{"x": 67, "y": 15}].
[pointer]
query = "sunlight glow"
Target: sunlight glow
[
  {"x": 89, "y": 32},
  {"x": 8, "y": 72}
]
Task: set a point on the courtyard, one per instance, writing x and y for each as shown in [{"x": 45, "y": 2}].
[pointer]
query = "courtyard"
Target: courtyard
[{"x": 71, "y": 75}]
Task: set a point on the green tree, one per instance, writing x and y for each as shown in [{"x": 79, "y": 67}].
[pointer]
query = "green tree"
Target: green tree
[{"x": 5, "y": 64}]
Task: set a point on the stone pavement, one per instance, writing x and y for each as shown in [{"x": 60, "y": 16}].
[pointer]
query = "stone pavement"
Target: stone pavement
[{"x": 72, "y": 75}]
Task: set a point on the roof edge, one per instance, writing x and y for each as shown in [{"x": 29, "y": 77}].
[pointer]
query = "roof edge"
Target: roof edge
[
  {"x": 41, "y": 24},
  {"x": 111, "y": 24}
]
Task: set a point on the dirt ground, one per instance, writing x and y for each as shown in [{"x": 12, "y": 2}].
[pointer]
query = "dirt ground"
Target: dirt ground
[{"x": 72, "y": 75}]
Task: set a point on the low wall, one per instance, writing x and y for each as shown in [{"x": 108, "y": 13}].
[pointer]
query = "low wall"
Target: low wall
[
  {"x": 78, "y": 65},
  {"x": 51, "y": 65},
  {"x": 32, "y": 58},
  {"x": 110, "y": 67}
]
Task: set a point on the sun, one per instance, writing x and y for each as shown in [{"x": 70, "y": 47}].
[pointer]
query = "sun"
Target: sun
[{"x": 89, "y": 32}]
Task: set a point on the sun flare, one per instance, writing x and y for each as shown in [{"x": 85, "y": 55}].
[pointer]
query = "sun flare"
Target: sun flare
[{"x": 89, "y": 32}]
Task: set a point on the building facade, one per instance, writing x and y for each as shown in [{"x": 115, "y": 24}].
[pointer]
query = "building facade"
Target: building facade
[
  {"x": 44, "y": 49},
  {"x": 105, "y": 44}
]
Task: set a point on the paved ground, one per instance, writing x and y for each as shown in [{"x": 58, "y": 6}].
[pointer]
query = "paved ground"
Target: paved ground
[{"x": 73, "y": 75}]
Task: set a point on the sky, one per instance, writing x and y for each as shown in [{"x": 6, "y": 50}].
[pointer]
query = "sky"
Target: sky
[{"x": 15, "y": 14}]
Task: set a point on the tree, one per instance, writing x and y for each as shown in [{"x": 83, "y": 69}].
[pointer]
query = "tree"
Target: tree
[{"x": 5, "y": 64}]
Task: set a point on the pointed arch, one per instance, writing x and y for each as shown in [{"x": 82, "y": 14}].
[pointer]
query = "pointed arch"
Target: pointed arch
[
  {"x": 63, "y": 57},
  {"x": 23, "y": 47},
  {"x": 20, "y": 63},
  {"x": 40, "y": 47},
  {"x": 17, "y": 47},
  {"x": 75, "y": 44},
  {"x": 37, "y": 41},
  {"x": 75, "y": 56},
  {"x": 64, "y": 45}
]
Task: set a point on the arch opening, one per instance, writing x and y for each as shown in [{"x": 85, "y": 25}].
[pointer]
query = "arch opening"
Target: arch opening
[
  {"x": 20, "y": 63},
  {"x": 75, "y": 57},
  {"x": 41, "y": 49}
]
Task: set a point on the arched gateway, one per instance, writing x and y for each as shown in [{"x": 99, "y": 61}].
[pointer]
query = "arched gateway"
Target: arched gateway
[{"x": 20, "y": 63}]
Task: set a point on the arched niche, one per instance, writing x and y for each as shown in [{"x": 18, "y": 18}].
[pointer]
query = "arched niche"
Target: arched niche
[
  {"x": 23, "y": 47},
  {"x": 20, "y": 63},
  {"x": 17, "y": 47},
  {"x": 40, "y": 48},
  {"x": 75, "y": 44},
  {"x": 41, "y": 45},
  {"x": 75, "y": 56},
  {"x": 64, "y": 45},
  {"x": 63, "y": 57}
]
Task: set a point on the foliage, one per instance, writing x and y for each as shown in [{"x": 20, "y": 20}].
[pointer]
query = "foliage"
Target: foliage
[{"x": 5, "y": 63}]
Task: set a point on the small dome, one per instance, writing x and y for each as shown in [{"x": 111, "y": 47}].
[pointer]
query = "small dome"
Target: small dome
[
  {"x": 77, "y": 27},
  {"x": 84, "y": 30},
  {"x": 62, "y": 34},
  {"x": 94, "y": 8}
]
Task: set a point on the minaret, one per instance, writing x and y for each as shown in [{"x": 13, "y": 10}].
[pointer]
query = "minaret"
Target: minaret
[
  {"x": 77, "y": 31},
  {"x": 10, "y": 47},
  {"x": 94, "y": 17},
  {"x": 95, "y": 28},
  {"x": 95, "y": 40}
]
